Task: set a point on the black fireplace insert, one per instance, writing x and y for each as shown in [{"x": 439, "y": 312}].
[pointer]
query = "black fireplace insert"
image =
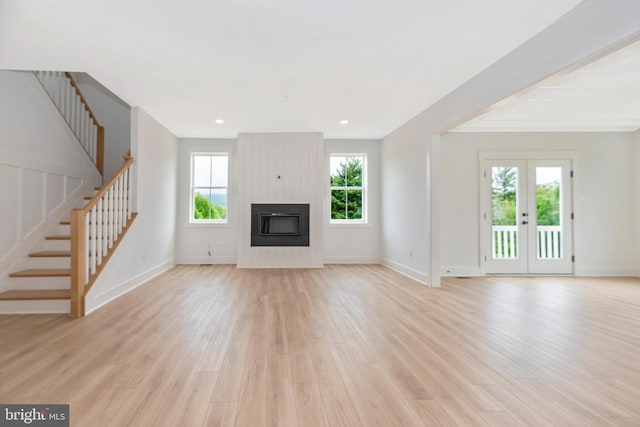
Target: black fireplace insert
[{"x": 284, "y": 224}]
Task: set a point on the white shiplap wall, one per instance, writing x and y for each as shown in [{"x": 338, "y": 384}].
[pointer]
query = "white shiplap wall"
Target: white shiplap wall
[{"x": 298, "y": 158}]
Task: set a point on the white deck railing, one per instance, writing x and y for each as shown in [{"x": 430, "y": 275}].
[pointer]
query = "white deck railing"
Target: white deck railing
[
  {"x": 549, "y": 242},
  {"x": 505, "y": 242}
]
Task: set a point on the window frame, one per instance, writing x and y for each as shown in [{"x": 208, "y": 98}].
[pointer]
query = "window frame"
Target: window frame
[
  {"x": 192, "y": 188},
  {"x": 364, "y": 188}
]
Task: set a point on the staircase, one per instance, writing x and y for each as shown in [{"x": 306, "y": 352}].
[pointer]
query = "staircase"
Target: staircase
[
  {"x": 51, "y": 259},
  {"x": 68, "y": 260}
]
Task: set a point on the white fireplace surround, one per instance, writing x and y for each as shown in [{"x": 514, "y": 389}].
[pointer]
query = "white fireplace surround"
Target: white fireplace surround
[{"x": 280, "y": 168}]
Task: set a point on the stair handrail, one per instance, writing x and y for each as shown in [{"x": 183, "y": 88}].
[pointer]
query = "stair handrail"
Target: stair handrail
[
  {"x": 76, "y": 112},
  {"x": 96, "y": 231}
]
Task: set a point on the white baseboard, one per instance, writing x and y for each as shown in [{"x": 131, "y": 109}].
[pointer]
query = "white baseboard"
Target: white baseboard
[
  {"x": 607, "y": 271},
  {"x": 205, "y": 260},
  {"x": 407, "y": 271},
  {"x": 94, "y": 302},
  {"x": 282, "y": 266},
  {"x": 352, "y": 260},
  {"x": 461, "y": 271}
]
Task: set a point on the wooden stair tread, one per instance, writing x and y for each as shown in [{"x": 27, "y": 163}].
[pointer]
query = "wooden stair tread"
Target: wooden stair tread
[
  {"x": 50, "y": 254},
  {"x": 35, "y": 295},
  {"x": 42, "y": 272},
  {"x": 58, "y": 238},
  {"x": 65, "y": 222}
]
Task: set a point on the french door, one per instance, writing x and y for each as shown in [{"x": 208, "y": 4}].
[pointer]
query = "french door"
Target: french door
[{"x": 526, "y": 217}]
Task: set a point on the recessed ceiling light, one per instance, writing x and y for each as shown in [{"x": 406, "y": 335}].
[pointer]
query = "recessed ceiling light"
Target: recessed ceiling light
[
  {"x": 219, "y": 121},
  {"x": 344, "y": 122}
]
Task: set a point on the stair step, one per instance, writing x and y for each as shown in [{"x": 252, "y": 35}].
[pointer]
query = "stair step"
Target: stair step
[
  {"x": 65, "y": 222},
  {"x": 50, "y": 254},
  {"x": 97, "y": 188},
  {"x": 58, "y": 238},
  {"x": 42, "y": 272},
  {"x": 35, "y": 295}
]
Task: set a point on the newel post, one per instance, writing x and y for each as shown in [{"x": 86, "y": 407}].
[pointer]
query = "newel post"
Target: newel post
[
  {"x": 100, "y": 152},
  {"x": 77, "y": 262}
]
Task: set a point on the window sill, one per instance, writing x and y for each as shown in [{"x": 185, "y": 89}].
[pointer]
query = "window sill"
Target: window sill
[
  {"x": 208, "y": 225},
  {"x": 349, "y": 225}
]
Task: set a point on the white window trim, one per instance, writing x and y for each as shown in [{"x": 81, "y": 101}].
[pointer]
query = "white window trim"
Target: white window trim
[
  {"x": 365, "y": 202},
  {"x": 208, "y": 222}
]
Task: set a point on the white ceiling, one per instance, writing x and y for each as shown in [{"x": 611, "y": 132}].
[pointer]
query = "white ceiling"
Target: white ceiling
[
  {"x": 272, "y": 65},
  {"x": 603, "y": 96}
]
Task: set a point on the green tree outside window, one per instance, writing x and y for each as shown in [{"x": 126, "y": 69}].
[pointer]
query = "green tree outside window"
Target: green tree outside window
[{"x": 347, "y": 188}]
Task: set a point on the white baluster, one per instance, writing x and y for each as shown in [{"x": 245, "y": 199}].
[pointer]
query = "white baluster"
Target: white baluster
[
  {"x": 84, "y": 129},
  {"x": 86, "y": 249},
  {"x": 94, "y": 239},
  {"x": 59, "y": 90},
  {"x": 99, "y": 231},
  {"x": 111, "y": 206},
  {"x": 500, "y": 252},
  {"x": 129, "y": 191},
  {"x": 78, "y": 118},
  {"x": 512, "y": 244},
  {"x": 105, "y": 223},
  {"x": 65, "y": 106},
  {"x": 127, "y": 202},
  {"x": 118, "y": 207},
  {"x": 123, "y": 204}
]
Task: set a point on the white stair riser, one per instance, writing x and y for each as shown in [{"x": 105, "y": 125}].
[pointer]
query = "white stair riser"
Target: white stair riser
[
  {"x": 63, "y": 230},
  {"x": 34, "y": 306},
  {"x": 55, "y": 245},
  {"x": 39, "y": 283},
  {"x": 49, "y": 262}
]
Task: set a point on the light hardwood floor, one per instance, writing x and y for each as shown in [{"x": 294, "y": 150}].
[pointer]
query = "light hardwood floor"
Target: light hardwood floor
[{"x": 339, "y": 346}]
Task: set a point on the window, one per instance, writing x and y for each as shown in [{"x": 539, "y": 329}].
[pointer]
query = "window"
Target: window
[
  {"x": 347, "y": 180},
  {"x": 209, "y": 187}
]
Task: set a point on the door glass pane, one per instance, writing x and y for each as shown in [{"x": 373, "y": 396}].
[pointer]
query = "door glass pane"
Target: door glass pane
[
  {"x": 548, "y": 198},
  {"x": 504, "y": 197}
]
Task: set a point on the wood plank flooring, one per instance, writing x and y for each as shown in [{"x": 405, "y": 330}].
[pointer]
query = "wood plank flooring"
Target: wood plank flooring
[{"x": 339, "y": 346}]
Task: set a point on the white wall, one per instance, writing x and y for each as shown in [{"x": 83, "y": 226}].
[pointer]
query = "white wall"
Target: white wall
[
  {"x": 603, "y": 194},
  {"x": 112, "y": 113},
  {"x": 636, "y": 136},
  {"x": 206, "y": 243},
  {"x": 43, "y": 168},
  {"x": 591, "y": 27},
  {"x": 148, "y": 247},
  {"x": 357, "y": 243},
  {"x": 298, "y": 158}
]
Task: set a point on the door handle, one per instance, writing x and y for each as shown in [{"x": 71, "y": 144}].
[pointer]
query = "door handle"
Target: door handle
[
  {"x": 525, "y": 214},
  {"x": 525, "y": 222}
]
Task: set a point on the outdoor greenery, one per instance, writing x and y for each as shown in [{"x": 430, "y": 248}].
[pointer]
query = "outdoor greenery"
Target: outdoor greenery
[
  {"x": 504, "y": 199},
  {"x": 346, "y": 190},
  {"x": 204, "y": 209},
  {"x": 504, "y": 196}
]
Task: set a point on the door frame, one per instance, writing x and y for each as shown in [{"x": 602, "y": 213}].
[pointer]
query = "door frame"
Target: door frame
[{"x": 484, "y": 202}]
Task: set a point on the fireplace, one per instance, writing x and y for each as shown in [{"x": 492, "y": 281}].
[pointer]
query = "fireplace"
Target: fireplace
[{"x": 280, "y": 224}]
